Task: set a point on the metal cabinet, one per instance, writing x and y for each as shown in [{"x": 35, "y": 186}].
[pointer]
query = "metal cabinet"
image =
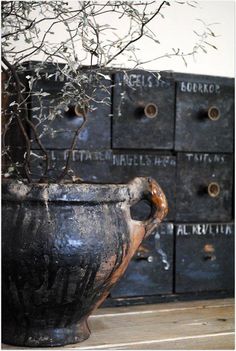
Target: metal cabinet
[{"x": 174, "y": 127}]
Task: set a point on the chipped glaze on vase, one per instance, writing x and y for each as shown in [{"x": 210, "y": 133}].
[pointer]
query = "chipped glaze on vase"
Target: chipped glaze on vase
[{"x": 63, "y": 247}]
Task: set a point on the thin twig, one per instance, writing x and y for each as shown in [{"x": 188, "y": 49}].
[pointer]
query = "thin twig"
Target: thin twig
[
  {"x": 139, "y": 36},
  {"x": 21, "y": 126},
  {"x": 65, "y": 170},
  {"x": 19, "y": 30}
]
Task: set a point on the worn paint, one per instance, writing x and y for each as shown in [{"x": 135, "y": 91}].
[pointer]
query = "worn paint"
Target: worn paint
[{"x": 66, "y": 247}]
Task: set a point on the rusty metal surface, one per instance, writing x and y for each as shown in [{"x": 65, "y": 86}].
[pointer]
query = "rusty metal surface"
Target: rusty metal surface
[
  {"x": 63, "y": 248},
  {"x": 204, "y": 257},
  {"x": 133, "y": 94}
]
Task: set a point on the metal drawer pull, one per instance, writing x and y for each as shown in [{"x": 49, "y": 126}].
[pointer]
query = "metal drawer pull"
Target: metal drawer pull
[
  {"x": 209, "y": 252},
  {"x": 140, "y": 256},
  {"x": 75, "y": 111},
  {"x": 81, "y": 111},
  {"x": 213, "y": 113},
  {"x": 213, "y": 189},
  {"x": 143, "y": 253},
  {"x": 151, "y": 110}
]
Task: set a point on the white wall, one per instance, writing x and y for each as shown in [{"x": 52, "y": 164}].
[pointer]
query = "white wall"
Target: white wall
[{"x": 176, "y": 31}]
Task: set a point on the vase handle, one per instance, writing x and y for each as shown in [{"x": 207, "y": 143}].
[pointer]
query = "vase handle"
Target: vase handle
[{"x": 147, "y": 188}]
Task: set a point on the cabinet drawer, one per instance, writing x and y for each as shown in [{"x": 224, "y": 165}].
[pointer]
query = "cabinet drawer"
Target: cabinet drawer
[
  {"x": 204, "y": 116},
  {"x": 128, "y": 165},
  {"x": 58, "y": 131},
  {"x": 89, "y": 165},
  {"x": 204, "y": 257},
  {"x": 150, "y": 270},
  {"x": 204, "y": 187},
  {"x": 143, "y": 111}
]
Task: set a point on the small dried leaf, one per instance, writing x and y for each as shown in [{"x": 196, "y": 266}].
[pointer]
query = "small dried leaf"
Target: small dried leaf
[
  {"x": 35, "y": 109},
  {"x": 45, "y": 94},
  {"x": 13, "y": 104},
  {"x": 213, "y": 46}
]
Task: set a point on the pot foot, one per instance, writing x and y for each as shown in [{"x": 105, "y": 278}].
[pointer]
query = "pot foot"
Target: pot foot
[{"x": 36, "y": 337}]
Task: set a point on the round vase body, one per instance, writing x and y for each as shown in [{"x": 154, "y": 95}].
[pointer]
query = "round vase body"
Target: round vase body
[{"x": 64, "y": 247}]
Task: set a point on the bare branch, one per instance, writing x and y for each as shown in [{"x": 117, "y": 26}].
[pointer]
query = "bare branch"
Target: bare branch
[
  {"x": 22, "y": 100},
  {"x": 139, "y": 36},
  {"x": 65, "y": 170}
]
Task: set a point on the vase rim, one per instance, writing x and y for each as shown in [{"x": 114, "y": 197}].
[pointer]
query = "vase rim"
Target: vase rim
[{"x": 70, "y": 192}]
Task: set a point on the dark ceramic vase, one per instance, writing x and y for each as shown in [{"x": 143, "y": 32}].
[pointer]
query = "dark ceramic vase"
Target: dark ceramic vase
[{"x": 63, "y": 247}]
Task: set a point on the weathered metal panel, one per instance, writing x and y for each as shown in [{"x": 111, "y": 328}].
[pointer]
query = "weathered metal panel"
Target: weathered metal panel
[
  {"x": 204, "y": 257},
  {"x": 204, "y": 114},
  {"x": 131, "y": 127},
  {"x": 150, "y": 272},
  {"x": 198, "y": 176}
]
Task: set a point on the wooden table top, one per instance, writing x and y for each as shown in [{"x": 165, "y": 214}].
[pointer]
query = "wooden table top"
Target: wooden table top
[{"x": 192, "y": 325}]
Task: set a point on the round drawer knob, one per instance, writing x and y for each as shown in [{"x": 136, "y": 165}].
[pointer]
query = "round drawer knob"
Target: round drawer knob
[
  {"x": 213, "y": 113},
  {"x": 151, "y": 110},
  {"x": 209, "y": 252},
  {"x": 75, "y": 111},
  {"x": 213, "y": 189},
  {"x": 79, "y": 111}
]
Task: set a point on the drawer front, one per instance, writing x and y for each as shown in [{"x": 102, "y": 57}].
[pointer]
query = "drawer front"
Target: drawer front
[
  {"x": 204, "y": 257},
  {"x": 143, "y": 111},
  {"x": 90, "y": 166},
  {"x": 107, "y": 166},
  {"x": 150, "y": 271},
  {"x": 204, "y": 187},
  {"x": 204, "y": 117},
  {"x": 128, "y": 165},
  {"x": 59, "y": 129}
]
